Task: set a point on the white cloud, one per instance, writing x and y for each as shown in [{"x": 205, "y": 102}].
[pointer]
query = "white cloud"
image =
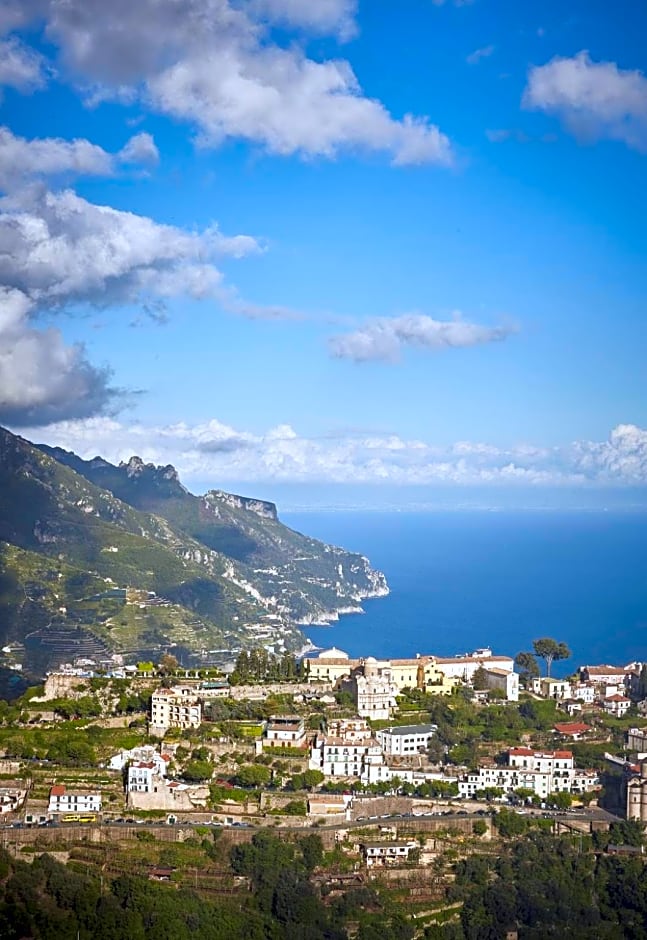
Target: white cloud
[
  {"x": 218, "y": 452},
  {"x": 475, "y": 57},
  {"x": 22, "y": 159},
  {"x": 383, "y": 338},
  {"x": 592, "y": 99},
  {"x": 214, "y": 64},
  {"x": 140, "y": 149},
  {"x": 319, "y": 16},
  {"x": 20, "y": 66},
  {"x": 41, "y": 378},
  {"x": 60, "y": 249}
]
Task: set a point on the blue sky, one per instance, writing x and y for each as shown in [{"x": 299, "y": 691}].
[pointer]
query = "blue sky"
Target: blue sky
[{"x": 330, "y": 244}]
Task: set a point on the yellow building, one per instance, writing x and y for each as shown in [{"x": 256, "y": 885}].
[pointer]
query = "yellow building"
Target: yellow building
[{"x": 421, "y": 672}]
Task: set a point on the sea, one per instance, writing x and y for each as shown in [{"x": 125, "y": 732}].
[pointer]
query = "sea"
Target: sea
[{"x": 461, "y": 580}]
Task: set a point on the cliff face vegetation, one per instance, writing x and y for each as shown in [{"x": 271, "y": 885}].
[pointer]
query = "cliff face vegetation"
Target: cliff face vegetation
[{"x": 128, "y": 554}]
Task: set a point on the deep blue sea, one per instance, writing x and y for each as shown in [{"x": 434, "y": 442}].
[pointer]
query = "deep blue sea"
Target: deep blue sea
[{"x": 460, "y": 580}]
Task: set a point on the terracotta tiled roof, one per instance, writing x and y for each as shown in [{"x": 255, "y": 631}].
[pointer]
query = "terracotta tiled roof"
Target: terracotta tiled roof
[{"x": 572, "y": 727}]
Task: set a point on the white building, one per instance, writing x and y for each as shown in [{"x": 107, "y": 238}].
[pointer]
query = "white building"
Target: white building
[
  {"x": 344, "y": 749},
  {"x": 637, "y": 740},
  {"x": 60, "y": 801},
  {"x": 144, "y": 753},
  {"x": 543, "y": 772},
  {"x": 285, "y": 731},
  {"x": 616, "y": 705},
  {"x": 504, "y": 681},
  {"x": 373, "y": 688},
  {"x": 143, "y": 777},
  {"x": 175, "y": 708},
  {"x": 558, "y": 689},
  {"x": 584, "y": 691},
  {"x": 376, "y": 770},
  {"x": 599, "y": 675},
  {"x": 464, "y": 667},
  {"x": 545, "y": 761},
  {"x": 386, "y": 853},
  {"x": 406, "y": 739}
]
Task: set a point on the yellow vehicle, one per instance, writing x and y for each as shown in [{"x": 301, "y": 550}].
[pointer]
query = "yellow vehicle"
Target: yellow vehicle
[
  {"x": 87, "y": 818},
  {"x": 70, "y": 817}
]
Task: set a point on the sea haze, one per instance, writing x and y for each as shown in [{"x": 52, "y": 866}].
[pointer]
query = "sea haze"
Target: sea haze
[{"x": 460, "y": 580}]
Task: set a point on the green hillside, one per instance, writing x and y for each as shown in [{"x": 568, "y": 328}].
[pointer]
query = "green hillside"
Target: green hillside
[{"x": 127, "y": 556}]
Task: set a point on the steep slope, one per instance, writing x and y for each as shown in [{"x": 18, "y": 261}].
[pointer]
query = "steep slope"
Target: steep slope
[
  {"x": 216, "y": 571},
  {"x": 304, "y": 579},
  {"x": 65, "y": 541}
]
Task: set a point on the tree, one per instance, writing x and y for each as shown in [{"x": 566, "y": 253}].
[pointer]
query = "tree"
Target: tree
[
  {"x": 527, "y": 666},
  {"x": 198, "y": 770},
  {"x": 312, "y": 778},
  {"x": 560, "y": 800},
  {"x": 253, "y": 775},
  {"x": 550, "y": 651},
  {"x": 479, "y": 680},
  {"x": 167, "y": 664}
]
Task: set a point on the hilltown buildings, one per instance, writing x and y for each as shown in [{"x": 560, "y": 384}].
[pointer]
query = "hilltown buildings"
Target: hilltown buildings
[
  {"x": 405, "y": 739},
  {"x": 542, "y": 772},
  {"x": 285, "y": 731},
  {"x": 373, "y": 689},
  {"x": 386, "y": 853},
  {"x": 74, "y": 803},
  {"x": 344, "y": 749},
  {"x": 616, "y": 705},
  {"x": 637, "y": 740},
  {"x": 143, "y": 777},
  {"x": 432, "y": 674},
  {"x": 178, "y": 707},
  {"x": 637, "y": 793}
]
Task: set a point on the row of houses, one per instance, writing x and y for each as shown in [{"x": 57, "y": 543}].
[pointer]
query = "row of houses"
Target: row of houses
[
  {"x": 349, "y": 748},
  {"x": 609, "y": 693},
  {"x": 542, "y": 772},
  {"x": 375, "y": 684}
]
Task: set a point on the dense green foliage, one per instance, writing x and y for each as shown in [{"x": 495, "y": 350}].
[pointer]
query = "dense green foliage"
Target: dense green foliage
[
  {"x": 258, "y": 665},
  {"x": 550, "y": 887}
]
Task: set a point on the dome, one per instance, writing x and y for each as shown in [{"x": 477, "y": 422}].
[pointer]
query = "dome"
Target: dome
[{"x": 333, "y": 653}]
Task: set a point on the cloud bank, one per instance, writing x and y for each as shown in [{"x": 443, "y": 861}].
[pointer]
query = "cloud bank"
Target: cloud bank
[{"x": 219, "y": 453}]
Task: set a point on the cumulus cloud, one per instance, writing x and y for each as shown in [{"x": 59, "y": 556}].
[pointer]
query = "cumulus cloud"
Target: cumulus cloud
[
  {"x": 140, "y": 149},
  {"x": 41, "y": 378},
  {"x": 592, "y": 99},
  {"x": 59, "y": 251},
  {"x": 384, "y": 339},
  {"x": 22, "y": 159},
  {"x": 58, "y": 248},
  {"x": 214, "y": 63},
  {"x": 218, "y": 452},
  {"x": 21, "y": 67},
  {"x": 475, "y": 57}
]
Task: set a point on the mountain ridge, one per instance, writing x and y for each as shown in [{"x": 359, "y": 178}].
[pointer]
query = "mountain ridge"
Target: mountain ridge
[{"x": 223, "y": 569}]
